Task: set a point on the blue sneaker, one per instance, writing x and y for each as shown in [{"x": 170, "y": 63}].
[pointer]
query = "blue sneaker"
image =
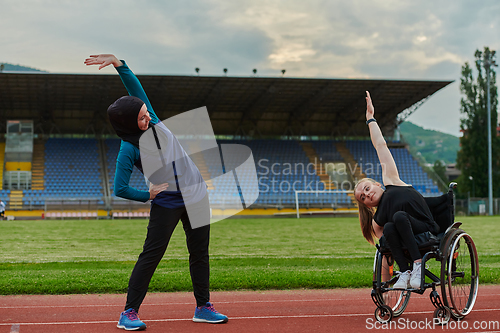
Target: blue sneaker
[
  {"x": 129, "y": 321},
  {"x": 207, "y": 314}
]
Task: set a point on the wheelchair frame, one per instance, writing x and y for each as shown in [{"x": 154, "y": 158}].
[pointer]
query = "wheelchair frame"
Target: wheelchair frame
[{"x": 454, "y": 247}]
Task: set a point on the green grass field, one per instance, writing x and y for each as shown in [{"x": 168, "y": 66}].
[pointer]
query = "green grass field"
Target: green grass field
[{"x": 97, "y": 256}]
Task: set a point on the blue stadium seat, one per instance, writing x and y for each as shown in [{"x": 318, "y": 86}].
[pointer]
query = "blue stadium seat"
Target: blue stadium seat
[{"x": 70, "y": 166}]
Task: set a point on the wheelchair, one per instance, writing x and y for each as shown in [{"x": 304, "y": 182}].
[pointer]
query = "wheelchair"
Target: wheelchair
[{"x": 458, "y": 279}]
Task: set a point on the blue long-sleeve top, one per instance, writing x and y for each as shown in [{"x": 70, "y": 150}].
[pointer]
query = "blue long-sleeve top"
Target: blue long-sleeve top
[{"x": 129, "y": 155}]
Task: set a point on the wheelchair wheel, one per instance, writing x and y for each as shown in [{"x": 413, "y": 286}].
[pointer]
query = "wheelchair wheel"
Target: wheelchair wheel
[
  {"x": 383, "y": 314},
  {"x": 443, "y": 315},
  {"x": 459, "y": 274},
  {"x": 397, "y": 300}
]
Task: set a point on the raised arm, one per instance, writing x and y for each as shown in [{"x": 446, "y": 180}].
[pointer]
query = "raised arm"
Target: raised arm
[
  {"x": 390, "y": 174},
  {"x": 130, "y": 81}
]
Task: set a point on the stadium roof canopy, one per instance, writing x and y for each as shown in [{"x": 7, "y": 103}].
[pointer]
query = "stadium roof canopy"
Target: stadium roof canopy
[{"x": 255, "y": 106}]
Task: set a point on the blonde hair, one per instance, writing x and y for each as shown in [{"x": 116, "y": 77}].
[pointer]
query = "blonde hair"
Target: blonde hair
[{"x": 366, "y": 215}]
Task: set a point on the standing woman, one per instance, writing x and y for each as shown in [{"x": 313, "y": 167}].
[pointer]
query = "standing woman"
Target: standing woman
[
  {"x": 401, "y": 210},
  {"x": 130, "y": 117}
]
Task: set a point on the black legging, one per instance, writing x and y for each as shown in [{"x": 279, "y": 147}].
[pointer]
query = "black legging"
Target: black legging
[
  {"x": 401, "y": 233},
  {"x": 162, "y": 223}
]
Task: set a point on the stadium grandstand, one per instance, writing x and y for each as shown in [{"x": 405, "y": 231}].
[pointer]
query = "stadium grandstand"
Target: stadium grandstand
[{"x": 59, "y": 153}]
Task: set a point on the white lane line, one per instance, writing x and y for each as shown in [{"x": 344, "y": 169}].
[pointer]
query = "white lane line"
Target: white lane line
[
  {"x": 231, "y": 318},
  {"x": 191, "y": 303},
  {"x": 14, "y": 328},
  {"x": 216, "y": 302},
  {"x": 189, "y": 319},
  {"x": 180, "y": 303}
]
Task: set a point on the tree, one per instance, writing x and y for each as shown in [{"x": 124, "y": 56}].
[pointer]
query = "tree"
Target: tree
[
  {"x": 440, "y": 170},
  {"x": 472, "y": 158}
]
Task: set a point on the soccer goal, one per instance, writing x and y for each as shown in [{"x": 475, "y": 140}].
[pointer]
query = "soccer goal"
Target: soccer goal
[{"x": 335, "y": 199}]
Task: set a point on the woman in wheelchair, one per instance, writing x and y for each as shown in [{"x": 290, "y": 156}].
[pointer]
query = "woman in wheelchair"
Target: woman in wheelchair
[{"x": 401, "y": 210}]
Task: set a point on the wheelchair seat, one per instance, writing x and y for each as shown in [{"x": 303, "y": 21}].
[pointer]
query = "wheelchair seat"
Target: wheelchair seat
[{"x": 424, "y": 240}]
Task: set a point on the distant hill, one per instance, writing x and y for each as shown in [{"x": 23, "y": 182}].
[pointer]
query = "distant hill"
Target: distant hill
[
  {"x": 432, "y": 145},
  {"x": 18, "y": 68}
]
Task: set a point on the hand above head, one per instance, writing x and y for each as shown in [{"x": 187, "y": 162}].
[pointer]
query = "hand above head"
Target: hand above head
[
  {"x": 103, "y": 60},
  {"x": 370, "y": 110},
  {"x": 155, "y": 189}
]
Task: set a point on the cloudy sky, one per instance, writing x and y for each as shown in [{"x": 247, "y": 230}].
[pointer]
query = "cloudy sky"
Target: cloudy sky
[{"x": 387, "y": 39}]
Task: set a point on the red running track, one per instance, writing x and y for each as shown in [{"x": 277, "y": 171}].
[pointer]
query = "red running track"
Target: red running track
[{"x": 339, "y": 310}]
